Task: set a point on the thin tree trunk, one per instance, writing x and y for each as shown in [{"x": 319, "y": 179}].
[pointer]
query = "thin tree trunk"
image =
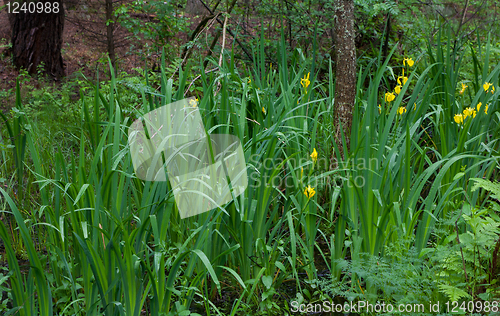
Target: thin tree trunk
[
  {"x": 37, "y": 38},
  {"x": 110, "y": 27},
  {"x": 387, "y": 36},
  {"x": 195, "y": 7},
  {"x": 345, "y": 60},
  {"x": 229, "y": 10}
]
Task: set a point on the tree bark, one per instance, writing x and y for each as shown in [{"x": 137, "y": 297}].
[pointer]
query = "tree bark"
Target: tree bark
[
  {"x": 110, "y": 27},
  {"x": 37, "y": 38},
  {"x": 387, "y": 36},
  {"x": 345, "y": 61},
  {"x": 195, "y": 7},
  {"x": 9, "y": 16}
]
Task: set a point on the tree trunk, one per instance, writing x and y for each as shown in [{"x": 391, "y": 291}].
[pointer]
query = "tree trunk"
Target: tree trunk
[
  {"x": 37, "y": 38},
  {"x": 387, "y": 35},
  {"x": 196, "y": 7},
  {"x": 10, "y": 16},
  {"x": 345, "y": 61},
  {"x": 110, "y": 27}
]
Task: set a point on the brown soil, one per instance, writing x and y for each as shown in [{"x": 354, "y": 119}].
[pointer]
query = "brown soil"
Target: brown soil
[
  {"x": 80, "y": 53},
  {"x": 84, "y": 51},
  {"x": 84, "y": 48}
]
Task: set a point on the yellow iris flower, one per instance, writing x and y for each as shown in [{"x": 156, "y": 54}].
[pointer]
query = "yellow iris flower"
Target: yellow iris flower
[
  {"x": 193, "y": 103},
  {"x": 397, "y": 89},
  {"x": 468, "y": 112},
  {"x": 309, "y": 192},
  {"x": 459, "y": 118},
  {"x": 402, "y": 77},
  {"x": 408, "y": 61},
  {"x": 464, "y": 86},
  {"x": 389, "y": 96},
  {"x": 314, "y": 155},
  {"x": 305, "y": 82},
  {"x": 486, "y": 86},
  {"x": 401, "y": 110}
]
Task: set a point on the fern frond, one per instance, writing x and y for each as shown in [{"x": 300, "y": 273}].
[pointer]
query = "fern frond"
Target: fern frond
[
  {"x": 453, "y": 293},
  {"x": 493, "y": 187}
]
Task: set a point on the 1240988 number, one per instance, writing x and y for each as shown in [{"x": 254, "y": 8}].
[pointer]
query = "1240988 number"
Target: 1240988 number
[
  {"x": 33, "y": 7},
  {"x": 473, "y": 307}
]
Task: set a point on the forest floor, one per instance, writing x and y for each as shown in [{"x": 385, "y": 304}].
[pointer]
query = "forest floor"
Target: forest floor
[
  {"x": 84, "y": 52},
  {"x": 84, "y": 49},
  {"x": 80, "y": 55}
]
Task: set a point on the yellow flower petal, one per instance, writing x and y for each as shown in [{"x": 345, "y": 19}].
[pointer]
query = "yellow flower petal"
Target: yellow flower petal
[
  {"x": 486, "y": 86},
  {"x": 463, "y": 88},
  {"x": 405, "y": 79},
  {"x": 305, "y": 82},
  {"x": 309, "y": 192},
  {"x": 193, "y": 103},
  {"x": 459, "y": 119},
  {"x": 397, "y": 89},
  {"x": 314, "y": 155},
  {"x": 408, "y": 61},
  {"x": 468, "y": 112},
  {"x": 389, "y": 96}
]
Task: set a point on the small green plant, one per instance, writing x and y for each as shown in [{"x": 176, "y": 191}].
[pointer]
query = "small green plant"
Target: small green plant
[
  {"x": 5, "y": 295},
  {"x": 17, "y": 133},
  {"x": 400, "y": 277},
  {"x": 465, "y": 258},
  {"x": 163, "y": 21}
]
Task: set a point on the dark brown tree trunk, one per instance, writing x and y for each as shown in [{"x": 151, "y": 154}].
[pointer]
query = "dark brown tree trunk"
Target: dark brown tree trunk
[
  {"x": 37, "y": 38},
  {"x": 345, "y": 61},
  {"x": 110, "y": 27},
  {"x": 196, "y": 7},
  {"x": 387, "y": 35},
  {"x": 10, "y": 16}
]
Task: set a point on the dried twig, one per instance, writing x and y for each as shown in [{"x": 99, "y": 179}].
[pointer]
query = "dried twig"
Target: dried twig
[
  {"x": 223, "y": 41},
  {"x": 198, "y": 77}
]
